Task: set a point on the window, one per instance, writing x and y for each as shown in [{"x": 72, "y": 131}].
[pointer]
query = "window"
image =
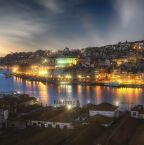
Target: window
[
  {"x": 49, "y": 125},
  {"x": 65, "y": 126},
  {"x": 134, "y": 113},
  {"x": 57, "y": 126}
]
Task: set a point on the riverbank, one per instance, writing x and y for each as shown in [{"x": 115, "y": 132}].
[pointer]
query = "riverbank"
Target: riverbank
[{"x": 89, "y": 82}]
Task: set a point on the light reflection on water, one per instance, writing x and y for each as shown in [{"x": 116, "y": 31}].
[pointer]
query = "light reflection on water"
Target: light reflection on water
[{"x": 47, "y": 93}]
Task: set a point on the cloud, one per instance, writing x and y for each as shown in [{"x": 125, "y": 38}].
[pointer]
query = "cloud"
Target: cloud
[
  {"x": 129, "y": 11},
  {"x": 52, "y": 5},
  {"x": 33, "y": 24}
]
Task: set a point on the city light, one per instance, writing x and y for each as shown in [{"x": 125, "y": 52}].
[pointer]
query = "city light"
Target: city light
[
  {"x": 69, "y": 107},
  {"x": 68, "y": 76},
  {"x": 15, "y": 69},
  {"x": 79, "y": 76},
  {"x": 43, "y": 72},
  {"x": 64, "y": 62},
  {"x": 117, "y": 103},
  {"x": 45, "y": 61},
  {"x": 88, "y": 76}
]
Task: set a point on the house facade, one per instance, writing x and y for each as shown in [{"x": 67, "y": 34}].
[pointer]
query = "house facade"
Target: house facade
[
  {"x": 105, "y": 109},
  {"x": 137, "y": 112},
  {"x": 48, "y": 124}
]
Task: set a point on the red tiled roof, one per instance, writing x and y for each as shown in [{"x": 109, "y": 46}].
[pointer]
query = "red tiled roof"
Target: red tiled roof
[
  {"x": 105, "y": 107},
  {"x": 137, "y": 108}
]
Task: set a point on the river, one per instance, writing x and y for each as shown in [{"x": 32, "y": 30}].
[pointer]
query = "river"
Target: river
[{"x": 47, "y": 93}]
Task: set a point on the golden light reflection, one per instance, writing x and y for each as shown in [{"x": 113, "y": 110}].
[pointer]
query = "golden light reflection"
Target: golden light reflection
[
  {"x": 28, "y": 84},
  {"x": 18, "y": 82},
  {"x": 43, "y": 90},
  {"x": 65, "y": 89},
  {"x": 128, "y": 95},
  {"x": 98, "y": 94},
  {"x": 88, "y": 90},
  {"x": 79, "y": 90}
]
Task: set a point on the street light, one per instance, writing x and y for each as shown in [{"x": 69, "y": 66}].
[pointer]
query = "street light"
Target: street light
[
  {"x": 45, "y": 61},
  {"x": 69, "y": 107},
  {"x": 117, "y": 103}
]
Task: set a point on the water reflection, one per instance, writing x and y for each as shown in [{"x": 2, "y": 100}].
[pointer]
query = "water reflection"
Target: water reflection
[
  {"x": 43, "y": 93},
  {"x": 98, "y": 94},
  {"x": 47, "y": 93},
  {"x": 130, "y": 96},
  {"x": 65, "y": 91}
]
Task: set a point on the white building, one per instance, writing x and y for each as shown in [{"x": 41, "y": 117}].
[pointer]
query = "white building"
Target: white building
[
  {"x": 105, "y": 109},
  {"x": 3, "y": 117},
  {"x": 137, "y": 112},
  {"x": 53, "y": 118},
  {"x": 48, "y": 124},
  {"x": 66, "y": 102}
]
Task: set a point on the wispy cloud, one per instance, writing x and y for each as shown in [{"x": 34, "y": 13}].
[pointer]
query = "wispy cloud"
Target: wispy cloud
[
  {"x": 52, "y": 5},
  {"x": 35, "y": 24}
]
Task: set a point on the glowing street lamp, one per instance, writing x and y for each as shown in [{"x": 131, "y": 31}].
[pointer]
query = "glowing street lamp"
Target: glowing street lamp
[
  {"x": 69, "y": 107},
  {"x": 117, "y": 103}
]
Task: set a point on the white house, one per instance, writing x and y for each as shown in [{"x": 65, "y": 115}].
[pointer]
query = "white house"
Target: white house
[
  {"x": 137, "y": 112},
  {"x": 105, "y": 109},
  {"x": 66, "y": 102}
]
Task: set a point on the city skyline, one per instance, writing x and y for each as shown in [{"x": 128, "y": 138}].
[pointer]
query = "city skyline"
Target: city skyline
[{"x": 52, "y": 24}]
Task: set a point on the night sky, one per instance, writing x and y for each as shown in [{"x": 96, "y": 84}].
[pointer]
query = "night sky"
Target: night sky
[{"x": 28, "y": 25}]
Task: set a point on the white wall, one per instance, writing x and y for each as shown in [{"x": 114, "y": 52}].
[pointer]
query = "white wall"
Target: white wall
[
  {"x": 53, "y": 124},
  {"x": 4, "y": 114},
  {"x": 104, "y": 113},
  {"x": 135, "y": 114}
]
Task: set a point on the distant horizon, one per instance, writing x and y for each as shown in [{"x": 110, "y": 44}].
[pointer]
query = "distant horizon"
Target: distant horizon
[{"x": 44, "y": 49}]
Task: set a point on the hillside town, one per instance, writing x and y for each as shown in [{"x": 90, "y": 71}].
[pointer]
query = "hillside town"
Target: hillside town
[{"x": 116, "y": 65}]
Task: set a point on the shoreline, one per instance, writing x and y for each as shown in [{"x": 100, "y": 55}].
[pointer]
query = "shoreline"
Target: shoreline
[{"x": 76, "y": 82}]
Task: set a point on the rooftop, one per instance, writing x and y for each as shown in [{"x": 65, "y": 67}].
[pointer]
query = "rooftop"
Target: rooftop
[
  {"x": 105, "y": 107},
  {"x": 138, "y": 108},
  {"x": 53, "y": 115}
]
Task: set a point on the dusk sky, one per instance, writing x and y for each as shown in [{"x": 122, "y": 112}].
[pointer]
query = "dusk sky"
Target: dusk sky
[{"x": 28, "y": 25}]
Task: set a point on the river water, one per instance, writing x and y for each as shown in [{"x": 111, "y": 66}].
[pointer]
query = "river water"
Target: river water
[{"x": 47, "y": 93}]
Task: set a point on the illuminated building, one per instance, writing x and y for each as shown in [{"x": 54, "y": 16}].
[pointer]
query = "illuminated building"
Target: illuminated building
[{"x": 65, "y": 62}]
